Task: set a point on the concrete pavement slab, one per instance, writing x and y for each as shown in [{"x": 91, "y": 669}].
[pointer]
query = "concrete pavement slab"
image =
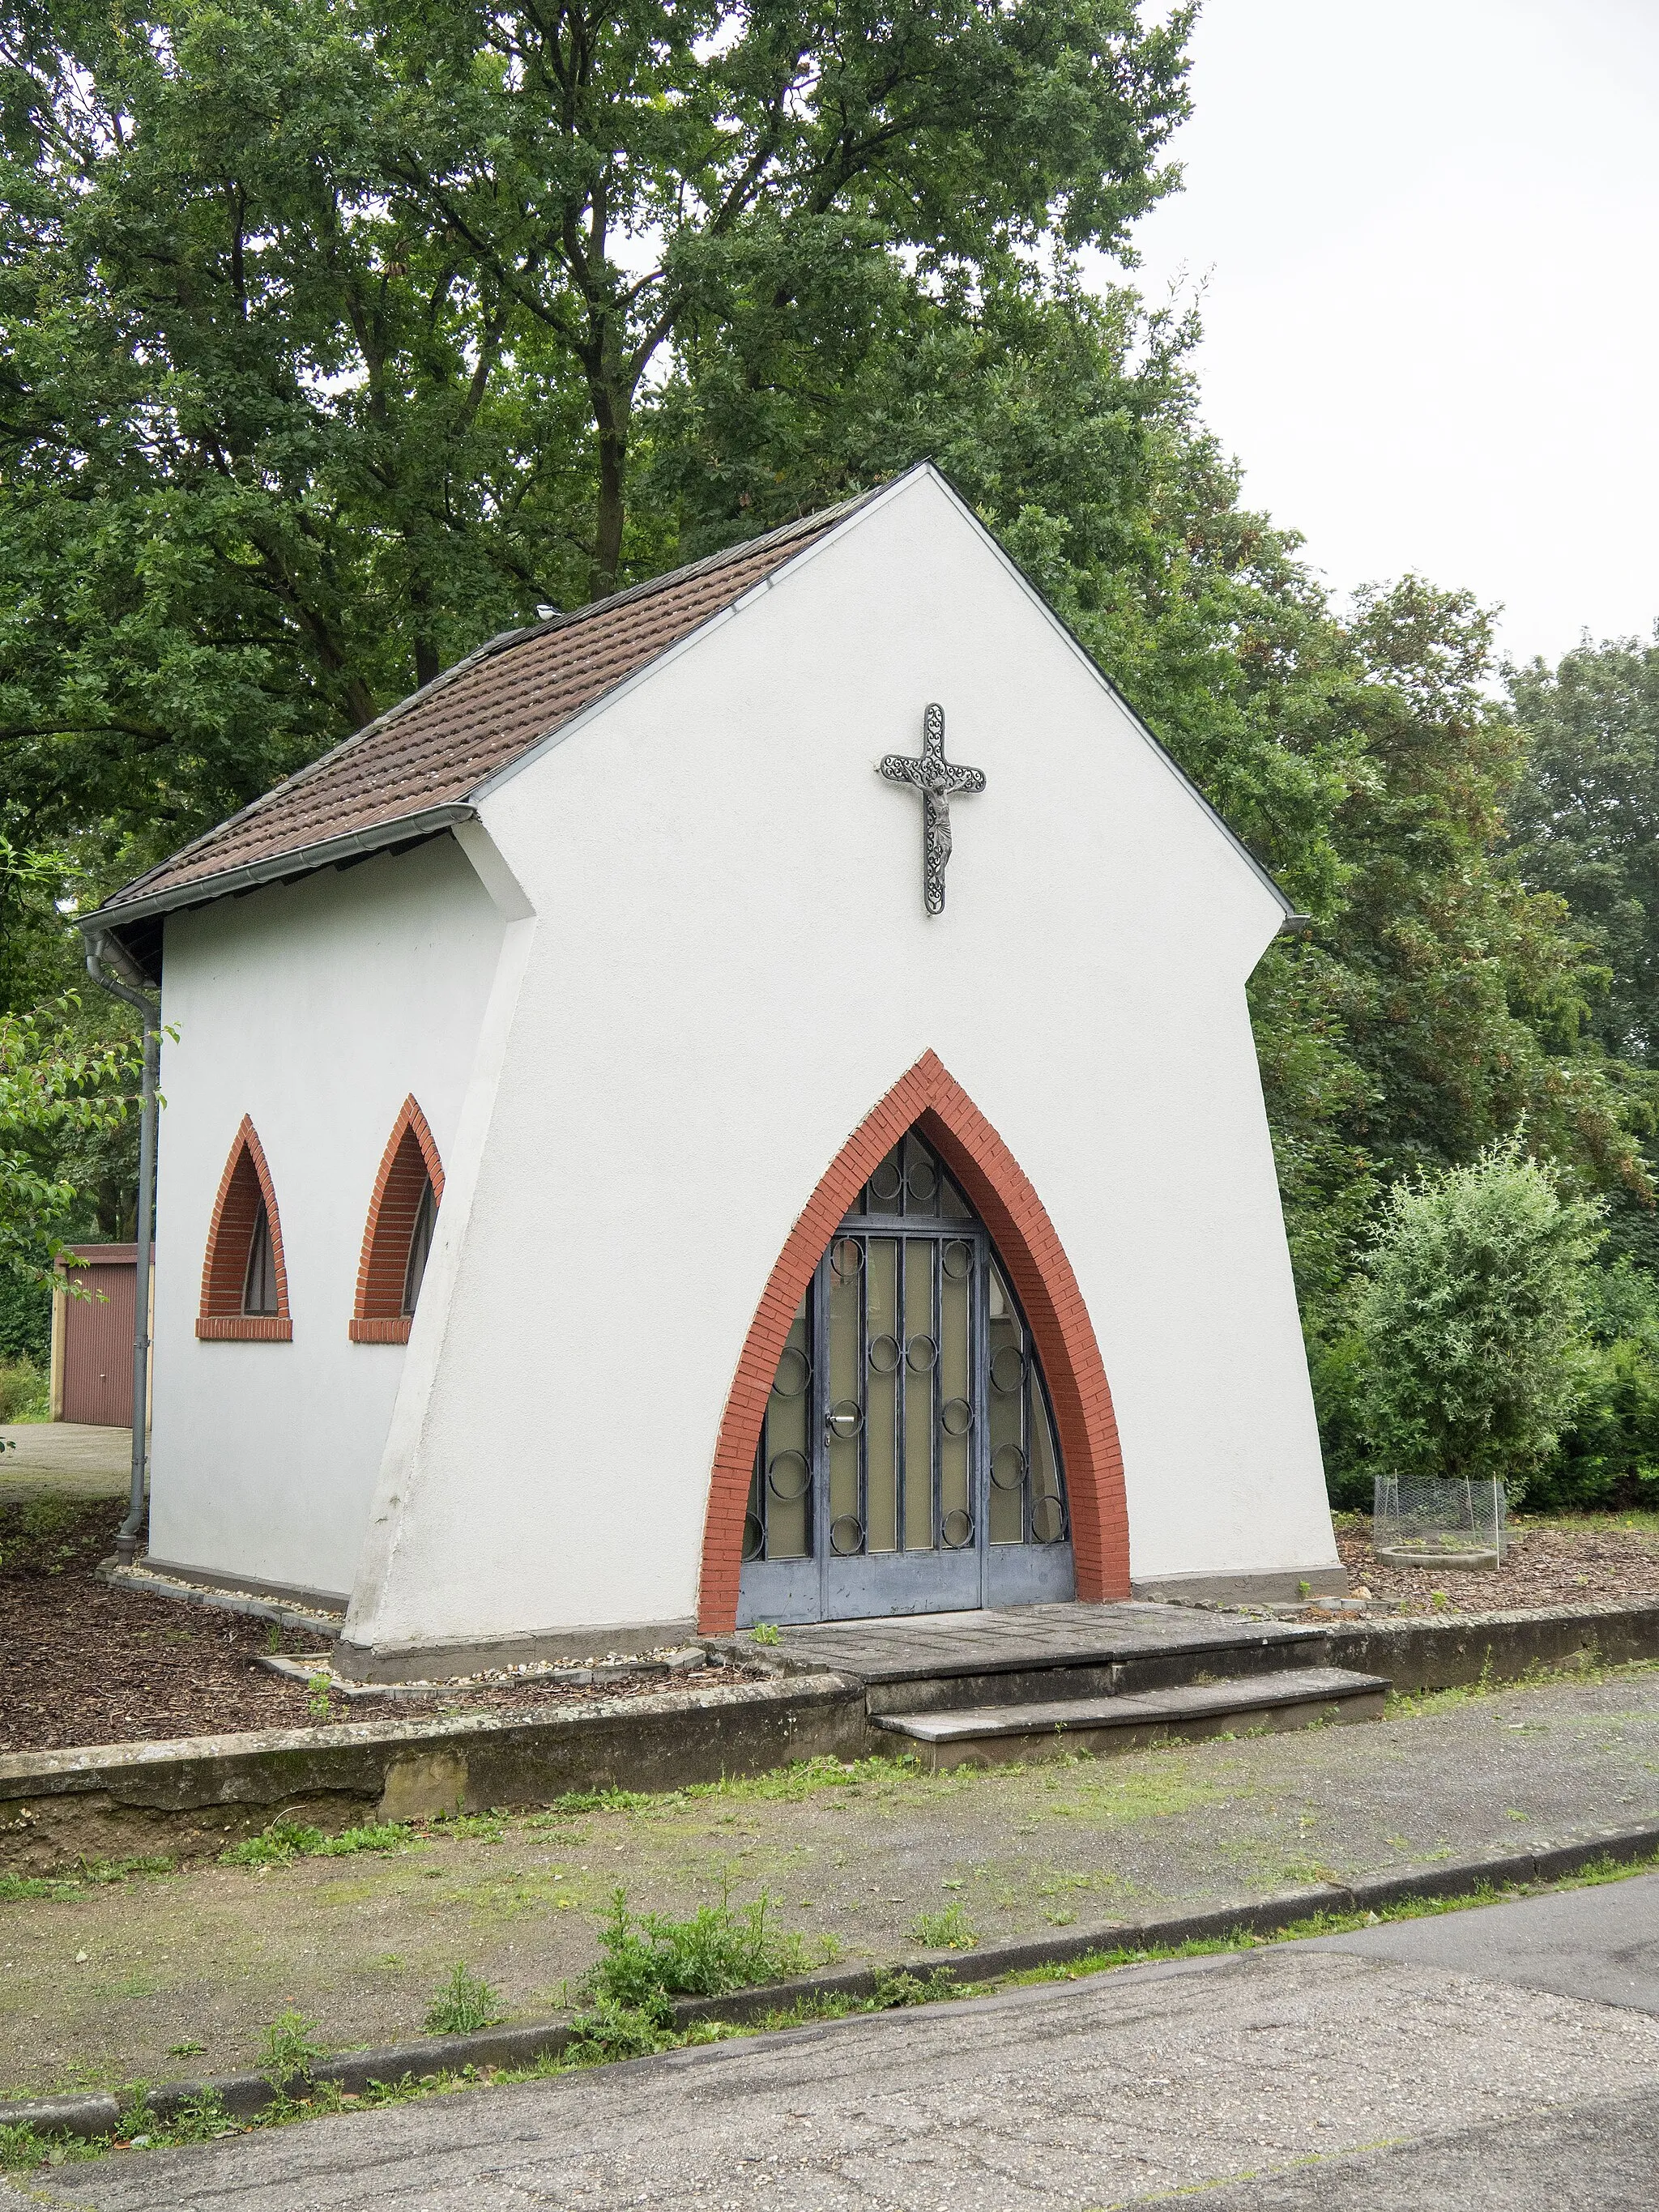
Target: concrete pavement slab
[
  {"x": 1602, "y": 2156},
  {"x": 1600, "y": 1943},
  {"x": 1123, "y": 2088},
  {"x": 68, "y": 1459}
]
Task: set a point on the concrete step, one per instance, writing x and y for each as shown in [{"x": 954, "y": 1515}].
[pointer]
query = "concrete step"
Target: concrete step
[
  {"x": 1293, "y": 1697},
  {"x": 1032, "y": 1654}
]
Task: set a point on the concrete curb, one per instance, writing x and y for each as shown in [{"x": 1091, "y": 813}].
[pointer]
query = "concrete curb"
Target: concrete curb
[
  {"x": 246, "y": 2095},
  {"x": 191, "y": 1798}
]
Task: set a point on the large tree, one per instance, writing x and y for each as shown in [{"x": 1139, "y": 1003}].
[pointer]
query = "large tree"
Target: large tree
[
  {"x": 326, "y": 327},
  {"x": 1585, "y": 819}
]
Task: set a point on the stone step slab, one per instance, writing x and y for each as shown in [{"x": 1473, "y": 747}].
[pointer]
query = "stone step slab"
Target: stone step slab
[{"x": 1293, "y": 1697}]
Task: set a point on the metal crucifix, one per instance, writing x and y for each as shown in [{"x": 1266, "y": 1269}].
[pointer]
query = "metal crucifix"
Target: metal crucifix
[{"x": 935, "y": 778}]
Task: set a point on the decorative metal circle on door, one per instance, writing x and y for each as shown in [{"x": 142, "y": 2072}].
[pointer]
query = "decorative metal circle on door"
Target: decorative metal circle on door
[{"x": 907, "y": 1461}]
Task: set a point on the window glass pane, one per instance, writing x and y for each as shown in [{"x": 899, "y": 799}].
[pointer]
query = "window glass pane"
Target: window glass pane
[
  {"x": 259, "y": 1284},
  {"x": 884, "y": 1189},
  {"x": 788, "y": 1506},
  {"x": 921, "y": 1179},
  {"x": 883, "y": 1355},
  {"x": 1047, "y": 1492},
  {"x": 1006, "y": 1414},
  {"x": 420, "y": 1246},
  {"x": 952, "y": 1203}
]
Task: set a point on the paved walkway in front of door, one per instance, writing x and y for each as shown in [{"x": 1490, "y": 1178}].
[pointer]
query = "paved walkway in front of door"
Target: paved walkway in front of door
[
  {"x": 69, "y": 1458},
  {"x": 161, "y": 1975}
]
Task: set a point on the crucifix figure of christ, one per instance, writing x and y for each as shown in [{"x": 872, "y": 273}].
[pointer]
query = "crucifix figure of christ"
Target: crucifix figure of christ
[{"x": 936, "y": 779}]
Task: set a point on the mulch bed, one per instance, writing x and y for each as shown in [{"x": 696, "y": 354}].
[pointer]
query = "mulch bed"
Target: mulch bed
[
  {"x": 83, "y": 1663},
  {"x": 1547, "y": 1566}
]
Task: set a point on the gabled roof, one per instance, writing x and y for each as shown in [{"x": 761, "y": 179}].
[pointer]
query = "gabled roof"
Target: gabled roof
[
  {"x": 415, "y": 768},
  {"x": 419, "y": 768}
]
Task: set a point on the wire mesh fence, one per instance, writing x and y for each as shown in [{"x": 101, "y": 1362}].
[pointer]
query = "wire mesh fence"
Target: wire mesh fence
[{"x": 1429, "y": 1522}]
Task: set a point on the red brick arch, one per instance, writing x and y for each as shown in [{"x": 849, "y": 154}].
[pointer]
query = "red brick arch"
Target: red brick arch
[
  {"x": 929, "y": 1099},
  {"x": 408, "y": 1162},
  {"x": 244, "y": 1188}
]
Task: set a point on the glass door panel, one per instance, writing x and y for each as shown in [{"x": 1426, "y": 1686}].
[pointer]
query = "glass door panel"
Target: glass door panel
[
  {"x": 882, "y": 1361},
  {"x": 920, "y": 1361}
]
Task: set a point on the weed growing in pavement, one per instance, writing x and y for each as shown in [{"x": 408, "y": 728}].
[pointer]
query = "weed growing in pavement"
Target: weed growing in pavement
[
  {"x": 647, "y": 1958},
  {"x": 288, "y": 2048},
  {"x": 949, "y": 1931},
  {"x": 89, "y": 1873},
  {"x": 285, "y": 1840},
  {"x": 765, "y": 1632},
  {"x": 478, "y": 1828},
  {"x": 464, "y": 2005},
  {"x": 133, "y": 2116}
]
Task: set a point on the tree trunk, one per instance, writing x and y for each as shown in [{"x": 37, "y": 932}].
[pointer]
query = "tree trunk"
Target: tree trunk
[{"x": 609, "y": 511}]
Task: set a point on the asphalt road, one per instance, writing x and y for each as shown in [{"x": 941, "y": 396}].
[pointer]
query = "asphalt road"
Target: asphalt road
[{"x": 1501, "y": 2058}]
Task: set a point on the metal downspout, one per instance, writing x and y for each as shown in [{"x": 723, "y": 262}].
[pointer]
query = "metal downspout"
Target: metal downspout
[{"x": 100, "y": 949}]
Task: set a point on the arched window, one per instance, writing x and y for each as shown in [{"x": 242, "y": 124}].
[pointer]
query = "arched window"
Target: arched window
[
  {"x": 244, "y": 1281},
  {"x": 397, "y": 1238}
]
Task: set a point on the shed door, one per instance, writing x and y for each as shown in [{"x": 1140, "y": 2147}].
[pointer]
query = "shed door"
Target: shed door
[{"x": 98, "y": 1342}]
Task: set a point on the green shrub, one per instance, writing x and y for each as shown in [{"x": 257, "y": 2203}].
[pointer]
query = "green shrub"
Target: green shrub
[
  {"x": 645, "y": 1959},
  {"x": 464, "y": 2005},
  {"x": 1608, "y": 1453},
  {"x": 1334, "y": 1365},
  {"x": 25, "y": 1392},
  {"x": 1472, "y": 1319}
]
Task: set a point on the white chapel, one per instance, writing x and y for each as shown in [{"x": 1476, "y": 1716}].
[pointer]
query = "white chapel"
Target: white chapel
[{"x": 734, "y": 1105}]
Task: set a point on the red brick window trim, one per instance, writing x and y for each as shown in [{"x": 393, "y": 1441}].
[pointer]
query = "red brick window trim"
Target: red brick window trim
[
  {"x": 409, "y": 1167},
  {"x": 246, "y": 1203},
  {"x": 928, "y": 1099}
]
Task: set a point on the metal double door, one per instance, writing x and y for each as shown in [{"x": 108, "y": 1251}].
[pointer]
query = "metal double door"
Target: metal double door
[{"x": 908, "y": 1462}]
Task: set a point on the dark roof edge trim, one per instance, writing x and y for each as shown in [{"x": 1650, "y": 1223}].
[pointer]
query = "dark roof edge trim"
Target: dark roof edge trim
[{"x": 299, "y": 860}]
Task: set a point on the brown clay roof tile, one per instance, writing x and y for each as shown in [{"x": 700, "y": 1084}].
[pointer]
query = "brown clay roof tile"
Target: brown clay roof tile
[{"x": 437, "y": 748}]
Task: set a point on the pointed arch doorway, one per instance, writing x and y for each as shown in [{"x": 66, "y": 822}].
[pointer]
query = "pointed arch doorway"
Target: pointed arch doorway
[
  {"x": 927, "y": 1099},
  {"x": 907, "y": 1459}
]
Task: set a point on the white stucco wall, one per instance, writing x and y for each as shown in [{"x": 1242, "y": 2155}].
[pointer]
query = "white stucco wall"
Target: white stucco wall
[
  {"x": 730, "y": 964},
  {"x": 315, "y": 1007}
]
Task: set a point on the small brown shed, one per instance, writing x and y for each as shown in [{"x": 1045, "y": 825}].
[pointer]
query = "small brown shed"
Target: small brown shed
[{"x": 92, "y": 1337}]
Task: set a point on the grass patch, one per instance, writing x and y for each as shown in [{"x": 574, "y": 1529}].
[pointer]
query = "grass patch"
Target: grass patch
[
  {"x": 89, "y": 1875},
  {"x": 285, "y": 1840},
  {"x": 1412, "y": 1704}
]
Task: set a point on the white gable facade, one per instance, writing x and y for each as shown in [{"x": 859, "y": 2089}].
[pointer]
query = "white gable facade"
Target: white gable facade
[{"x": 665, "y": 994}]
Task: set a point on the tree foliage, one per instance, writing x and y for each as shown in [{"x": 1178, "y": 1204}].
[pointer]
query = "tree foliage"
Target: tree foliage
[
  {"x": 1585, "y": 818},
  {"x": 325, "y": 327},
  {"x": 50, "y": 1091}
]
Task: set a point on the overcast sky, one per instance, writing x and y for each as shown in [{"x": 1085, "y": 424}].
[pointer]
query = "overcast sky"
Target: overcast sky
[{"x": 1429, "y": 230}]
